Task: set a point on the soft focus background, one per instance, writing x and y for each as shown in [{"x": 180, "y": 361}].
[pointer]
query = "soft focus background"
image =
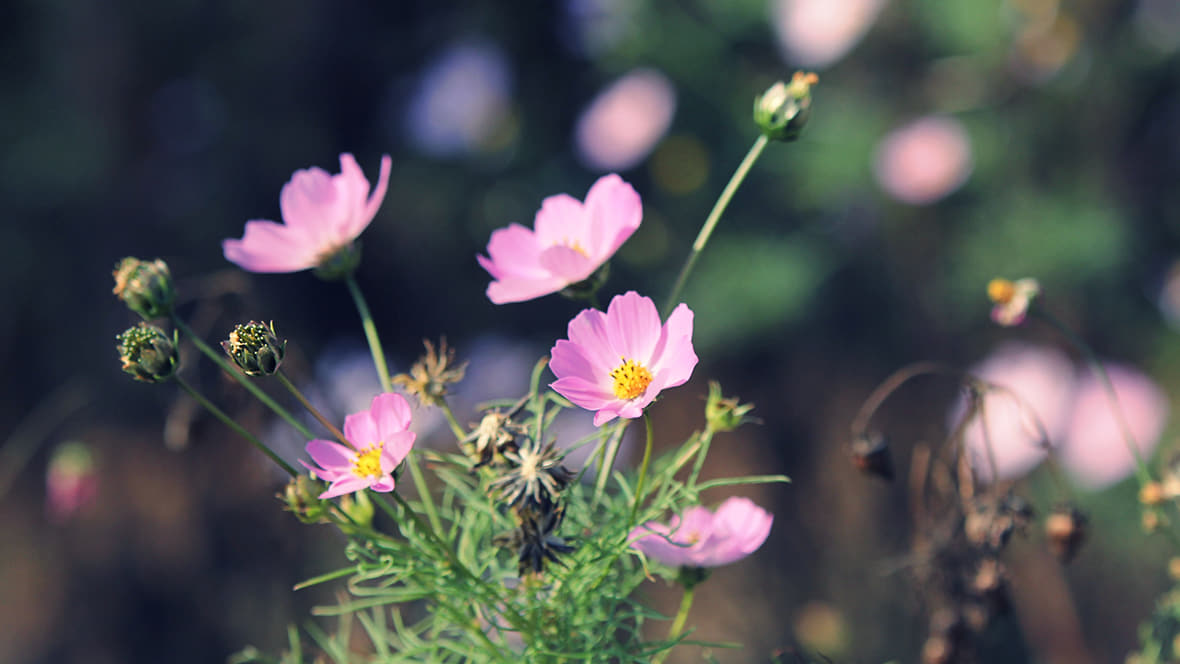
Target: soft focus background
[{"x": 951, "y": 141}]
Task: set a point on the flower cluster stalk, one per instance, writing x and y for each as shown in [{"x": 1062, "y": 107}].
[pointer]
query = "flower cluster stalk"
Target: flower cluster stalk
[{"x": 231, "y": 423}]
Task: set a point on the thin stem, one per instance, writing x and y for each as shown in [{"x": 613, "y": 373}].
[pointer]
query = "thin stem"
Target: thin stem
[
  {"x": 231, "y": 423},
  {"x": 370, "y": 333},
  {"x": 311, "y": 409},
  {"x": 891, "y": 384},
  {"x": 678, "y": 622},
  {"x": 606, "y": 459},
  {"x": 456, "y": 428},
  {"x": 702, "y": 451},
  {"x": 642, "y": 469},
  {"x": 711, "y": 221},
  {"x": 241, "y": 378},
  {"x": 1141, "y": 470}
]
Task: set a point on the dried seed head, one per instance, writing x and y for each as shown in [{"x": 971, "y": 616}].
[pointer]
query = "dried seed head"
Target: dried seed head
[{"x": 432, "y": 375}]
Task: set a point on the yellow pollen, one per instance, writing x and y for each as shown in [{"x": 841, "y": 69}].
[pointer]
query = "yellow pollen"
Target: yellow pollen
[
  {"x": 575, "y": 245},
  {"x": 631, "y": 379},
  {"x": 368, "y": 462},
  {"x": 1001, "y": 291}
]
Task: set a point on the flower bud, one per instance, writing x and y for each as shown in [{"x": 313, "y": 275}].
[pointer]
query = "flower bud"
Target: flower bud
[
  {"x": 359, "y": 507},
  {"x": 725, "y": 414},
  {"x": 301, "y": 498},
  {"x": 148, "y": 353},
  {"x": 1065, "y": 529},
  {"x": 783, "y": 109},
  {"x": 145, "y": 286},
  {"x": 255, "y": 348}
]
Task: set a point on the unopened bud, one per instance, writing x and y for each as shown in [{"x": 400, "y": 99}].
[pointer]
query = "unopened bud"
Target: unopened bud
[
  {"x": 783, "y": 109},
  {"x": 725, "y": 414},
  {"x": 148, "y": 354},
  {"x": 870, "y": 453},
  {"x": 145, "y": 287},
  {"x": 1065, "y": 529},
  {"x": 255, "y": 348},
  {"x": 358, "y": 506},
  {"x": 302, "y": 499}
]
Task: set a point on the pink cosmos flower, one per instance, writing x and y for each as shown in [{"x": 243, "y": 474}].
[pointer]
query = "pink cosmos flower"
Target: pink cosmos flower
[
  {"x": 616, "y": 363},
  {"x": 570, "y": 241},
  {"x": 322, "y": 214},
  {"x": 925, "y": 160},
  {"x": 379, "y": 439},
  {"x": 71, "y": 482},
  {"x": 705, "y": 539}
]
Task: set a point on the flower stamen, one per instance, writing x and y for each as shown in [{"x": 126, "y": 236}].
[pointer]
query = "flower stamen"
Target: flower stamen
[
  {"x": 631, "y": 379},
  {"x": 368, "y": 461}
]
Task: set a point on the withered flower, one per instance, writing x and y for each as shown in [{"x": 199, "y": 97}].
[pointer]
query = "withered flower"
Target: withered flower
[
  {"x": 432, "y": 374},
  {"x": 534, "y": 477},
  {"x": 534, "y": 539}
]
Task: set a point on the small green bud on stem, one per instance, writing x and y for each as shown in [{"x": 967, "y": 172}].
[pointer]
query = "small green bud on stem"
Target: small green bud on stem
[
  {"x": 148, "y": 353},
  {"x": 725, "y": 414},
  {"x": 255, "y": 348},
  {"x": 782, "y": 111},
  {"x": 145, "y": 287}
]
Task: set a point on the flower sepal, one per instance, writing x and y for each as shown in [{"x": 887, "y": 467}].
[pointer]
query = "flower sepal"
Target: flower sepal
[
  {"x": 587, "y": 288},
  {"x": 340, "y": 264}
]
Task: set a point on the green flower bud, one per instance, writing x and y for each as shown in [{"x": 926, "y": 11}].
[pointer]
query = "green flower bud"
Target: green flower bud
[
  {"x": 145, "y": 286},
  {"x": 340, "y": 264},
  {"x": 302, "y": 499},
  {"x": 255, "y": 348},
  {"x": 358, "y": 506},
  {"x": 725, "y": 414},
  {"x": 148, "y": 353},
  {"x": 783, "y": 109}
]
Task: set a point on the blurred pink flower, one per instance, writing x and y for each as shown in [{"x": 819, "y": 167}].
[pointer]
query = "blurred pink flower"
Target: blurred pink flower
[
  {"x": 924, "y": 160},
  {"x": 70, "y": 482},
  {"x": 816, "y": 33},
  {"x": 1042, "y": 379},
  {"x": 1094, "y": 450},
  {"x": 379, "y": 440},
  {"x": 616, "y": 363},
  {"x": 705, "y": 539},
  {"x": 322, "y": 214},
  {"x": 570, "y": 241},
  {"x": 625, "y": 121}
]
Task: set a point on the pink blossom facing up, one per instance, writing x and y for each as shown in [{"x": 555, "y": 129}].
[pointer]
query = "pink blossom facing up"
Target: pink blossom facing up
[
  {"x": 322, "y": 214},
  {"x": 701, "y": 538},
  {"x": 378, "y": 440},
  {"x": 1094, "y": 450},
  {"x": 615, "y": 363},
  {"x": 571, "y": 240}
]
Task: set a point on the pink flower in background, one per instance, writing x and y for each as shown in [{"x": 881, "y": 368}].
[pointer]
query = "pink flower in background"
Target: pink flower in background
[
  {"x": 1094, "y": 450},
  {"x": 71, "y": 482},
  {"x": 625, "y": 121},
  {"x": 322, "y": 214},
  {"x": 816, "y": 33},
  {"x": 616, "y": 363},
  {"x": 706, "y": 539},
  {"x": 924, "y": 160},
  {"x": 379, "y": 440},
  {"x": 570, "y": 241},
  {"x": 1042, "y": 379}
]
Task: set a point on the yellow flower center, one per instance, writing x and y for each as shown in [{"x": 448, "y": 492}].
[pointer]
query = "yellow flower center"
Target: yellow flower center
[
  {"x": 575, "y": 245},
  {"x": 1001, "y": 291},
  {"x": 631, "y": 379},
  {"x": 368, "y": 462}
]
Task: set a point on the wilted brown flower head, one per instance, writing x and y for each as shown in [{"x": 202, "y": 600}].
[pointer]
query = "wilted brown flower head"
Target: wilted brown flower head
[{"x": 432, "y": 374}]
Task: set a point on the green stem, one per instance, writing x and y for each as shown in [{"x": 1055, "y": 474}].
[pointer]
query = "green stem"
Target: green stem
[
  {"x": 677, "y": 623},
  {"x": 711, "y": 222},
  {"x": 312, "y": 409},
  {"x": 606, "y": 459},
  {"x": 642, "y": 470},
  {"x": 370, "y": 333},
  {"x": 229, "y": 422},
  {"x": 1141, "y": 470},
  {"x": 456, "y": 429},
  {"x": 241, "y": 378},
  {"x": 702, "y": 452}
]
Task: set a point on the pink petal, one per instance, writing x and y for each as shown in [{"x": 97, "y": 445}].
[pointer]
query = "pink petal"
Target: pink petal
[
  {"x": 674, "y": 355},
  {"x": 521, "y": 290},
  {"x": 352, "y": 187},
  {"x": 383, "y": 485},
  {"x": 361, "y": 429},
  {"x": 633, "y": 327},
  {"x": 566, "y": 360},
  {"x": 583, "y": 393},
  {"x": 561, "y": 220},
  {"x": 615, "y": 211},
  {"x": 326, "y": 474},
  {"x": 391, "y": 415},
  {"x": 330, "y": 456},
  {"x": 587, "y": 331},
  {"x": 379, "y": 193},
  {"x": 270, "y": 247},
  {"x": 310, "y": 201},
  {"x": 397, "y": 447},
  {"x": 604, "y": 415},
  {"x": 346, "y": 484},
  {"x": 514, "y": 251},
  {"x": 569, "y": 264}
]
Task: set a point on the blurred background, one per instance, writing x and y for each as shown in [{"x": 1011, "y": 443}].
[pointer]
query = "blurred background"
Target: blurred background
[{"x": 951, "y": 141}]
